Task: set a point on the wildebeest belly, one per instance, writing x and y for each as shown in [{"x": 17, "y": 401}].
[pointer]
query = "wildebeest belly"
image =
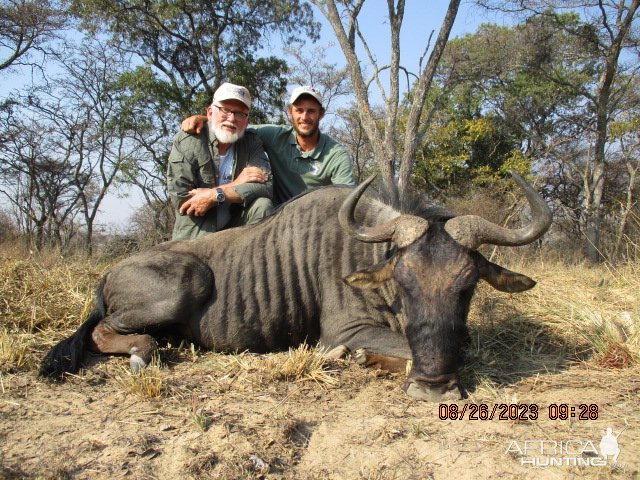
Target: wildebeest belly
[{"x": 246, "y": 326}]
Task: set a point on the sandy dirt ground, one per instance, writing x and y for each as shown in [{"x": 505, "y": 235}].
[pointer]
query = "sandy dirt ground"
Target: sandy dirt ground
[{"x": 225, "y": 417}]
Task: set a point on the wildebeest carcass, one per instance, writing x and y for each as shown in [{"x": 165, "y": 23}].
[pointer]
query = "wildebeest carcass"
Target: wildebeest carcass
[{"x": 334, "y": 266}]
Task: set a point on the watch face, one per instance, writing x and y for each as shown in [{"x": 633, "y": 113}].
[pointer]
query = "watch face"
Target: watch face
[{"x": 220, "y": 196}]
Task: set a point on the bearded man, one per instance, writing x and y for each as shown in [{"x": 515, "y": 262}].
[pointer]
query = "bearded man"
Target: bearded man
[
  {"x": 221, "y": 176},
  {"x": 301, "y": 156}
]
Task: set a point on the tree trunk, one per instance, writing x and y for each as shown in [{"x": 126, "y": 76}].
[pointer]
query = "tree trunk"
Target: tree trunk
[
  {"x": 626, "y": 209},
  {"x": 384, "y": 142},
  {"x": 602, "y": 101},
  {"x": 411, "y": 137}
]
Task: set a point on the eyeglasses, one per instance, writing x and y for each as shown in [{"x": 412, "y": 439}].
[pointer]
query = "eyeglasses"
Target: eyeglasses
[{"x": 227, "y": 112}]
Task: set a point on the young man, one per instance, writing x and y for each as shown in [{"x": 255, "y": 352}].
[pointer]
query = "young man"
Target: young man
[
  {"x": 301, "y": 156},
  {"x": 219, "y": 177}
]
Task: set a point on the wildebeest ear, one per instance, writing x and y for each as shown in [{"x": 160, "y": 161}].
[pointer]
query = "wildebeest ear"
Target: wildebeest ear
[
  {"x": 503, "y": 279},
  {"x": 372, "y": 277}
]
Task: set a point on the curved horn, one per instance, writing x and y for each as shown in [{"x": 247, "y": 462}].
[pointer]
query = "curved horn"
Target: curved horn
[
  {"x": 473, "y": 231},
  {"x": 402, "y": 230}
]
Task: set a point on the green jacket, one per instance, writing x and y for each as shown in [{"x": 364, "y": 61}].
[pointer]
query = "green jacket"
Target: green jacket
[
  {"x": 194, "y": 162},
  {"x": 295, "y": 171}
]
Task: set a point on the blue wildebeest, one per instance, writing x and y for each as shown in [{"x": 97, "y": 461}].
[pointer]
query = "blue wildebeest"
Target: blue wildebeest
[{"x": 389, "y": 287}]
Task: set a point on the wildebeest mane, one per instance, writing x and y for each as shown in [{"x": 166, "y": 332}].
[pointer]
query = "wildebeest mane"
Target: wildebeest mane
[{"x": 416, "y": 203}]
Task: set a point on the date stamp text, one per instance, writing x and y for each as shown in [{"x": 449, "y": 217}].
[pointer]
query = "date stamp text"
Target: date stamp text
[{"x": 517, "y": 411}]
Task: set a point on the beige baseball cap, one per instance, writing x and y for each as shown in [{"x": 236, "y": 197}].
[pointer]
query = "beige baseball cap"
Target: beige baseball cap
[
  {"x": 305, "y": 90},
  {"x": 229, "y": 91}
]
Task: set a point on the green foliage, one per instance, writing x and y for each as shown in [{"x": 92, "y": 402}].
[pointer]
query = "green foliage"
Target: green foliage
[
  {"x": 465, "y": 151},
  {"x": 142, "y": 86},
  {"x": 265, "y": 79},
  {"x": 194, "y": 47},
  {"x": 502, "y": 93},
  {"x": 625, "y": 128},
  {"x": 517, "y": 162}
]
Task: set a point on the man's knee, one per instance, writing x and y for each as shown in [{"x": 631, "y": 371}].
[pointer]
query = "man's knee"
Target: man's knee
[{"x": 257, "y": 210}]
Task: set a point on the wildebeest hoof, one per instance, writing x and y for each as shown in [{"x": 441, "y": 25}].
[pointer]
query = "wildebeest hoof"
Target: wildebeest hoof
[
  {"x": 360, "y": 356},
  {"x": 137, "y": 363},
  {"x": 447, "y": 392},
  {"x": 336, "y": 353}
]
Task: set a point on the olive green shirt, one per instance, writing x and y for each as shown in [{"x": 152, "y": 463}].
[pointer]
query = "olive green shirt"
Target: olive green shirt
[
  {"x": 295, "y": 171},
  {"x": 194, "y": 162}
]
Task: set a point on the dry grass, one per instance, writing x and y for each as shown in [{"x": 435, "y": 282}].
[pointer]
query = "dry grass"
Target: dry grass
[
  {"x": 246, "y": 370},
  {"x": 209, "y": 415},
  {"x": 45, "y": 291},
  {"x": 304, "y": 363},
  {"x": 199, "y": 416},
  {"x": 145, "y": 384},
  {"x": 596, "y": 307},
  {"x": 575, "y": 314},
  {"x": 15, "y": 350},
  {"x": 43, "y": 298}
]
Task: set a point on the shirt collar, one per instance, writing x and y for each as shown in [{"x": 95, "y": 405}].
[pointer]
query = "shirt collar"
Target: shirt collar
[{"x": 315, "y": 153}]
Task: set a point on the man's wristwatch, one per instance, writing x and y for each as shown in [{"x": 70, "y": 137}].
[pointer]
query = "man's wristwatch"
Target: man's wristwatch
[{"x": 220, "y": 198}]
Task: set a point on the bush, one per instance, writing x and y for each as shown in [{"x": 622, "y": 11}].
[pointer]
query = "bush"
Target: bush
[{"x": 8, "y": 228}]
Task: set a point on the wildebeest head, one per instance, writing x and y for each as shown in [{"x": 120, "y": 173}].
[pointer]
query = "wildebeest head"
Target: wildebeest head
[{"x": 436, "y": 268}]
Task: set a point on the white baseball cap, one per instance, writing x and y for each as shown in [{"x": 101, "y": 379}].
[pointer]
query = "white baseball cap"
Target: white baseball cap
[
  {"x": 305, "y": 90},
  {"x": 229, "y": 91}
]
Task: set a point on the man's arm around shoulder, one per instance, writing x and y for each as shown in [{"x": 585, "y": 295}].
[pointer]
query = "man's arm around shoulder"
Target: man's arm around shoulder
[{"x": 342, "y": 165}]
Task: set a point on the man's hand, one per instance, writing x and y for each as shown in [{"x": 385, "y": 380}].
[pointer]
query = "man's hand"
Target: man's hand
[
  {"x": 250, "y": 175},
  {"x": 201, "y": 201},
  {"x": 194, "y": 124}
]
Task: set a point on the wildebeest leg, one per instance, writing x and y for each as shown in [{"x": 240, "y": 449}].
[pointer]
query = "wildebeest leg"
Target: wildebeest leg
[
  {"x": 389, "y": 363},
  {"x": 376, "y": 347},
  {"x": 148, "y": 294},
  {"x": 105, "y": 339},
  {"x": 365, "y": 358},
  {"x": 336, "y": 353}
]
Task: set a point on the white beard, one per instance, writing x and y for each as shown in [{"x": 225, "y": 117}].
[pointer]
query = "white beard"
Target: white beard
[{"x": 225, "y": 136}]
